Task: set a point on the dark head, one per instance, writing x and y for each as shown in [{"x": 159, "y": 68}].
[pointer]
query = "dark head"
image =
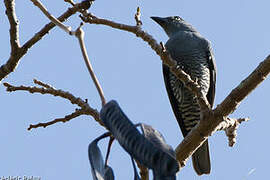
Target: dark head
[{"x": 173, "y": 24}]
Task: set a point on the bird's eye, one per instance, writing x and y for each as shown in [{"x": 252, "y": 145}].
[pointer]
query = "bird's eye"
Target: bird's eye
[{"x": 177, "y": 18}]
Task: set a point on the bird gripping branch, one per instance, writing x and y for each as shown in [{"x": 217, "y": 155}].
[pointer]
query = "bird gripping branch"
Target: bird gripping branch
[{"x": 194, "y": 55}]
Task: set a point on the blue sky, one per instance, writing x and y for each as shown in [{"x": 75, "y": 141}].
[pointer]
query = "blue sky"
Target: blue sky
[{"x": 129, "y": 72}]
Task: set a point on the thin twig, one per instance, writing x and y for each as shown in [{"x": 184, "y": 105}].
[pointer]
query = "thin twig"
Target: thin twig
[
  {"x": 210, "y": 119},
  {"x": 109, "y": 150},
  {"x": 52, "y": 91},
  {"x": 144, "y": 172},
  {"x": 14, "y": 26},
  {"x": 14, "y": 59},
  {"x": 231, "y": 127},
  {"x": 79, "y": 33},
  {"x": 201, "y": 131},
  {"x": 51, "y": 17},
  {"x": 70, "y": 2},
  {"x": 138, "y": 17},
  {"x": 60, "y": 93},
  {"x": 161, "y": 51},
  {"x": 73, "y": 115},
  {"x": 228, "y": 123},
  {"x": 38, "y": 36},
  {"x": 135, "y": 169},
  {"x": 42, "y": 84}
]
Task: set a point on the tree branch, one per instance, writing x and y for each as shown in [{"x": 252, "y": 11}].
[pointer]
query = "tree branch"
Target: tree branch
[
  {"x": 230, "y": 103},
  {"x": 144, "y": 172},
  {"x": 42, "y": 84},
  {"x": 210, "y": 120},
  {"x": 52, "y": 18},
  {"x": 230, "y": 125},
  {"x": 73, "y": 115},
  {"x": 14, "y": 26},
  {"x": 84, "y": 106},
  {"x": 159, "y": 49},
  {"x": 14, "y": 59},
  {"x": 79, "y": 33}
]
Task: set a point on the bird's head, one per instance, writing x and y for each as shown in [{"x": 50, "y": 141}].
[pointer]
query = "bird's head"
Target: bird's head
[{"x": 173, "y": 24}]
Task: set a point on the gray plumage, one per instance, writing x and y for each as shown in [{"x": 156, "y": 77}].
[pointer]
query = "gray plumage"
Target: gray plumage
[{"x": 194, "y": 55}]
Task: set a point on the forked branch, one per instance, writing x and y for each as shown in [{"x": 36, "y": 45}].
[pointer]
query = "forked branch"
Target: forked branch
[
  {"x": 17, "y": 51},
  {"x": 79, "y": 33},
  {"x": 211, "y": 119},
  {"x": 85, "y": 108},
  {"x": 159, "y": 49}
]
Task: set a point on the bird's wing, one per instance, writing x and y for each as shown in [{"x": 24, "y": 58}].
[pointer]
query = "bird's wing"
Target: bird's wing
[
  {"x": 212, "y": 68},
  {"x": 174, "y": 102},
  {"x": 173, "y": 99}
]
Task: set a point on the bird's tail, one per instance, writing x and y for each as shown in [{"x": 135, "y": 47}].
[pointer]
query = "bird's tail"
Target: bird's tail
[{"x": 201, "y": 159}]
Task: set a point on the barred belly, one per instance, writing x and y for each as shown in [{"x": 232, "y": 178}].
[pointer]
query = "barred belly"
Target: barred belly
[{"x": 187, "y": 102}]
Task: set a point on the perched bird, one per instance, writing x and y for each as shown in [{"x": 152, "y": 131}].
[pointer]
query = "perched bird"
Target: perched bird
[{"x": 194, "y": 55}]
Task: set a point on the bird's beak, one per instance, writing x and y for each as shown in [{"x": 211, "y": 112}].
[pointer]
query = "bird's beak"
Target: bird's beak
[{"x": 159, "y": 20}]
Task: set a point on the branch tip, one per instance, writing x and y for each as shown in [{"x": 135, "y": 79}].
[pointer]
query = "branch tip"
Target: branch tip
[
  {"x": 6, "y": 84},
  {"x": 51, "y": 17},
  {"x": 70, "y": 2},
  {"x": 45, "y": 85},
  {"x": 162, "y": 47},
  {"x": 230, "y": 126},
  {"x": 67, "y": 118},
  {"x": 138, "y": 17}
]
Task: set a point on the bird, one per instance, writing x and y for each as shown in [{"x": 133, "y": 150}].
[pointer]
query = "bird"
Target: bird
[{"x": 193, "y": 54}]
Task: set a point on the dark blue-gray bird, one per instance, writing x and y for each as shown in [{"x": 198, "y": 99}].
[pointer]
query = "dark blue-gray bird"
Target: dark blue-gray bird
[{"x": 194, "y": 55}]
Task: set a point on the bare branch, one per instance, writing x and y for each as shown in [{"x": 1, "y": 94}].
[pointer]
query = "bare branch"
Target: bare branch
[
  {"x": 79, "y": 33},
  {"x": 66, "y": 95},
  {"x": 230, "y": 125},
  {"x": 230, "y": 103},
  {"x": 161, "y": 51},
  {"x": 109, "y": 149},
  {"x": 42, "y": 84},
  {"x": 211, "y": 121},
  {"x": 144, "y": 172},
  {"x": 200, "y": 133},
  {"x": 13, "y": 60},
  {"x": 49, "y": 26},
  {"x": 51, "y": 17},
  {"x": 73, "y": 115},
  {"x": 180, "y": 74},
  {"x": 52, "y": 91},
  {"x": 14, "y": 26},
  {"x": 138, "y": 17},
  {"x": 70, "y": 2}
]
